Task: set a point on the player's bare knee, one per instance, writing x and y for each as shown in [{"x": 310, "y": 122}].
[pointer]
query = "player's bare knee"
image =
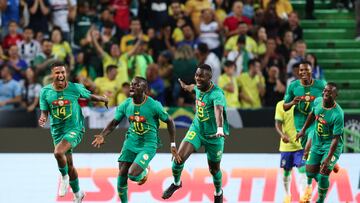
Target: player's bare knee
[
  {"x": 134, "y": 172},
  {"x": 58, "y": 153}
]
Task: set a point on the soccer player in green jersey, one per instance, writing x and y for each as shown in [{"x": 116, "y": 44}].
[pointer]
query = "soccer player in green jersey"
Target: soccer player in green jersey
[
  {"x": 301, "y": 93},
  {"x": 207, "y": 129},
  {"x": 142, "y": 141},
  {"x": 60, "y": 100},
  {"x": 327, "y": 142}
]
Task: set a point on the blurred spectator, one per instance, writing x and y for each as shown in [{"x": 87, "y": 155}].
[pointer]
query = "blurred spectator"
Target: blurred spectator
[
  {"x": 260, "y": 39},
  {"x": 184, "y": 67},
  {"x": 128, "y": 41},
  {"x": 121, "y": 8},
  {"x": 300, "y": 51},
  {"x": 285, "y": 47},
  {"x": 161, "y": 42},
  {"x": 156, "y": 84},
  {"x": 275, "y": 89},
  {"x": 10, "y": 90},
  {"x": 241, "y": 56},
  {"x": 138, "y": 60},
  {"x": 43, "y": 60},
  {"x": 252, "y": 86},
  {"x": 227, "y": 82},
  {"x": 248, "y": 10},
  {"x": 124, "y": 93},
  {"x": 30, "y": 91},
  {"x": 209, "y": 30},
  {"x": 204, "y": 56},
  {"x": 193, "y": 9},
  {"x": 259, "y": 17},
  {"x": 3, "y": 57},
  {"x": 10, "y": 12},
  {"x": 283, "y": 7},
  {"x": 13, "y": 37},
  {"x": 164, "y": 63},
  {"x": 61, "y": 48},
  {"x": 28, "y": 47},
  {"x": 231, "y": 43},
  {"x": 82, "y": 23},
  {"x": 108, "y": 85},
  {"x": 295, "y": 74},
  {"x": 293, "y": 25},
  {"x": 158, "y": 12},
  {"x": 189, "y": 37},
  {"x": 114, "y": 57},
  {"x": 19, "y": 65},
  {"x": 220, "y": 10},
  {"x": 63, "y": 12},
  {"x": 39, "y": 36},
  {"x": 108, "y": 34},
  {"x": 231, "y": 23},
  {"x": 317, "y": 71},
  {"x": 271, "y": 21},
  {"x": 177, "y": 19},
  {"x": 272, "y": 58},
  {"x": 24, "y": 14},
  {"x": 84, "y": 72},
  {"x": 39, "y": 11}
]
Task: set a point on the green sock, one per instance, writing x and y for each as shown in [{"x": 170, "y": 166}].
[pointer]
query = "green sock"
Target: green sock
[
  {"x": 217, "y": 178},
  {"x": 74, "y": 184},
  {"x": 176, "y": 171},
  {"x": 64, "y": 171},
  {"x": 323, "y": 187},
  {"x": 310, "y": 176},
  {"x": 122, "y": 188}
]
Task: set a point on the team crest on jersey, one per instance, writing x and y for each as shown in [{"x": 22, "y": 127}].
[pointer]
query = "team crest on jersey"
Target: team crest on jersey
[
  {"x": 320, "y": 119},
  {"x": 307, "y": 97},
  {"x": 200, "y": 103},
  {"x": 146, "y": 157},
  {"x": 60, "y": 102},
  {"x": 136, "y": 118}
]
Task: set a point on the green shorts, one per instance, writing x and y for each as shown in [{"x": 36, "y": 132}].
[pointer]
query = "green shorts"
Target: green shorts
[
  {"x": 214, "y": 146},
  {"x": 316, "y": 158},
  {"x": 74, "y": 137},
  {"x": 142, "y": 158}
]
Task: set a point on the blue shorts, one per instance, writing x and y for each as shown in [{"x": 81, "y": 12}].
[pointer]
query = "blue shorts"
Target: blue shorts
[{"x": 291, "y": 159}]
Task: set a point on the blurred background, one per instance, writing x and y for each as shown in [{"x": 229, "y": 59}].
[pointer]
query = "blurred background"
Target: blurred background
[{"x": 253, "y": 46}]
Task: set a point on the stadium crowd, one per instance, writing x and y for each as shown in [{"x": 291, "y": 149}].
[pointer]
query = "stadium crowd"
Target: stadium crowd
[{"x": 253, "y": 48}]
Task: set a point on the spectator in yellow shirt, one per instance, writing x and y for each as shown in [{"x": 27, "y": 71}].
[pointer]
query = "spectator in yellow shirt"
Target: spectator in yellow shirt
[
  {"x": 128, "y": 41},
  {"x": 252, "y": 86},
  {"x": 231, "y": 43},
  {"x": 194, "y": 7},
  {"x": 61, "y": 48},
  {"x": 107, "y": 85},
  {"x": 227, "y": 82},
  {"x": 124, "y": 93}
]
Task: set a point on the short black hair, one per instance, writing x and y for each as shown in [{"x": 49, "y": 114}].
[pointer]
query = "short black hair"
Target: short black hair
[
  {"x": 229, "y": 63},
  {"x": 304, "y": 62},
  {"x": 252, "y": 62},
  {"x": 57, "y": 64},
  {"x": 46, "y": 40},
  {"x": 125, "y": 84},
  {"x": 205, "y": 67},
  {"x": 142, "y": 80},
  {"x": 28, "y": 28},
  {"x": 295, "y": 65},
  {"x": 333, "y": 84},
  {"x": 9, "y": 66},
  {"x": 110, "y": 67},
  {"x": 203, "y": 48}
]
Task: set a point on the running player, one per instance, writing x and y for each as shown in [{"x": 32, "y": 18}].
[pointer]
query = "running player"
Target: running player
[
  {"x": 60, "y": 100},
  {"x": 327, "y": 142},
  {"x": 291, "y": 151},
  {"x": 301, "y": 93},
  {"x": 208, "y": 129},
  {"x": 142, "y": 140}
]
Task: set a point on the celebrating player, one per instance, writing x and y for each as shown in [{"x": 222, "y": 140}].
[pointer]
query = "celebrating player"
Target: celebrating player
[
  {"x": 207, "y": 129},
  {"x": 301, "y": 93},
  {"x": 141, "y": 142},
  {"x": 60, "y": 100},
  {"x": 327, "y": 142},
  {"x": 291, "y": 151}
]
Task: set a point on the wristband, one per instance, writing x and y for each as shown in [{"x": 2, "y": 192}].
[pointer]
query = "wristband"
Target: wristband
[
  {"x": 220, "y": 130},
  {"x": 173, "y": 144}
]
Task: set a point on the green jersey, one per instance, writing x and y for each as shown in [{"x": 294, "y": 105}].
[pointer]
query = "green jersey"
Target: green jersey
[
  {"x": 329, "y": 122},
  {"x": 144, "y": 122},
  {"x": 65, "y": 111},
  {"x": 308, "y": 94},
  {"x": 205, "y": 113}
]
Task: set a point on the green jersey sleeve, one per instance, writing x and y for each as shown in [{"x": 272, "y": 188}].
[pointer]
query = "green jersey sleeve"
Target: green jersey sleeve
[
  {"x": 43, "y": 104},
  {"x": 161, "y": 112},
  {"x": 219, "y": 98},
  {"x": 84, "y": 93},
  {"x": 120, "y": 111},
  {"x": 289, "y": 95},
  {"x": 338, "y": 127}
]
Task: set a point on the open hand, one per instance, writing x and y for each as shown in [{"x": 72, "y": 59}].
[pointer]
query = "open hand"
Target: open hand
[
  {"x": 98, "y": 141},
  {"x": 299, "y": 135},
  {"x": 175, "y": 155},
  {"x": 42, "y": 121}
]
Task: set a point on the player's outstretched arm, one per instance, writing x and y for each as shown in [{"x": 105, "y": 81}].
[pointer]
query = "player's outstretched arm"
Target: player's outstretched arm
[
  {"x": 100, "y": 139},
  {"x": 171, "y": 129},
  {"x": 97, "y": 98},
  {"x": 295, "y": 101},
  {"x": 43, "y": 118},
  {"x": 325, "y": 163},
  {"x": 219, "y": 110},
  {"x": 186, "y": 87},
  {"x": 310, "y": 119}
]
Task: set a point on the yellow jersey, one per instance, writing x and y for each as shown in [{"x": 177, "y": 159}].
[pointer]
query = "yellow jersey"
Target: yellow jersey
[
  {"x": 107, "y": 87},
  {"x": 249, "y": 86},
  {"x": 121, "y": 63},
  {"x": 232, "y": 98}
]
